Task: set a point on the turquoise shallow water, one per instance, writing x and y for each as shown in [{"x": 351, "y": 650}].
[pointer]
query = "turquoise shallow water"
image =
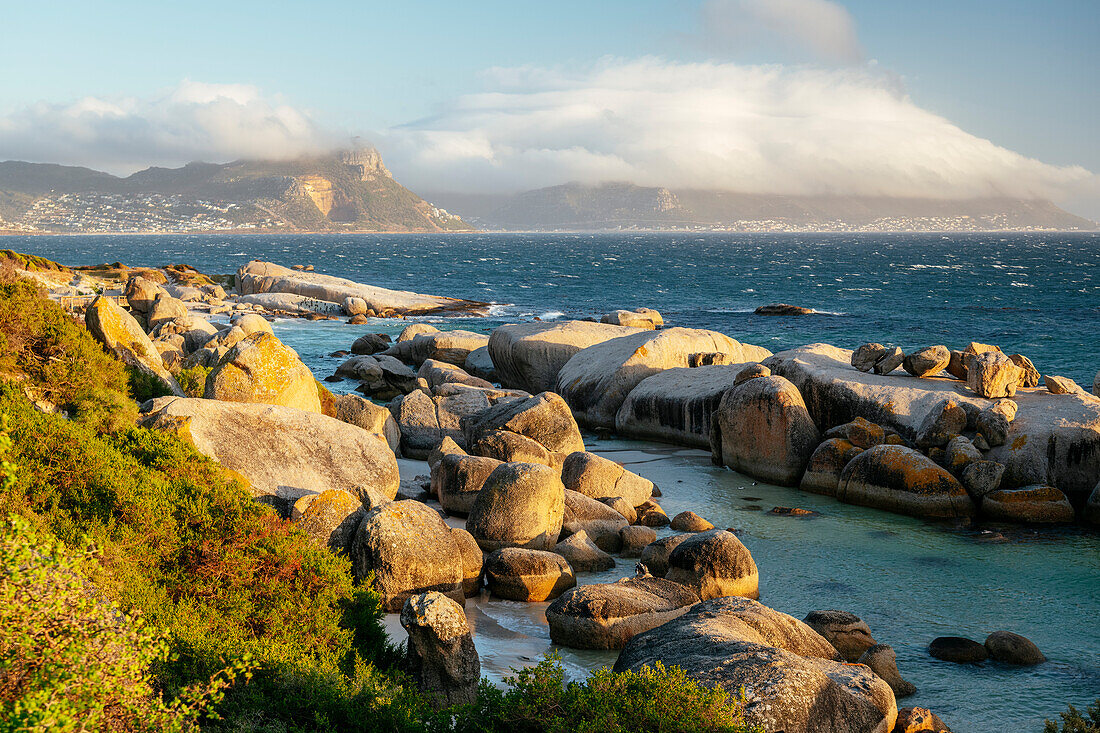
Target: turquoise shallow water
[{"x": 910, "y": 580}]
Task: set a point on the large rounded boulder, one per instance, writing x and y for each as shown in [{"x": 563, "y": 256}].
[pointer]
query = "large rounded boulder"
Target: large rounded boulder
[
  {"x": 530, "y": 355},
  {"x": 332, "y": 518},
  {"x": 124, "y": 337},
  {"x": 1031, "y": 504},
  {"x": 457, "y": 479},
  {"x": 822, "y": 475},
  {"x": 544, "y": 418},
  {"x": 899, "y": 479},
  {"x": 262, "y": 369},
  {"x": 601, "y": 478},
  {"x": 407, "y": 549},
  {"x": 531, "y": 576},
  {"x": 608, "y": 615},
  {"x": 790, "y": 681},
  {"x": 282, "y": 452},
  {"x": 597, "y": 380},
  {"x": 714, "y": 564},
  {"x": 519, "y": 505},
  {"x": 762, "y": 428}
]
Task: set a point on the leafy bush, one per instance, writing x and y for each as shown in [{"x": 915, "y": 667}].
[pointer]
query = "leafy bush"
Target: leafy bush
[
  {"x": 59, "y": 359},
  {"x": 192, "y": 380},
  {"x": 69, "y": 659},
  {"x": 1074, "y": 722},
  {"x": 654, "y": 699},
  {"x": 188, "y": 547}
]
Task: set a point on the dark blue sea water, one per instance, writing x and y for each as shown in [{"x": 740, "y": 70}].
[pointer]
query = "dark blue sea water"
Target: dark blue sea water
[{"x": 1036, "y": 294}]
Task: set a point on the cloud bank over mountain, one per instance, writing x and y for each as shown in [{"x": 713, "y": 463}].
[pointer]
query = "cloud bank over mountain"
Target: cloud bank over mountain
[
  {"x": 760, "y": 129},
  {"x": 192, "y": 121}
]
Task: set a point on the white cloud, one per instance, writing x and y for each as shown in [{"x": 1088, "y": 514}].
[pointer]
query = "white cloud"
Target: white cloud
[
  {"x": 821, "y": 29},
  {"x": 766, "y": 129},
  {"x": 192, "y": 121}
]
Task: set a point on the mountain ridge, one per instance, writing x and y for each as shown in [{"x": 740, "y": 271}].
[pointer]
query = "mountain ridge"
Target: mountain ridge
[
  {"x": 617, "y": 205},
  {"x": 348, "y": 191}
]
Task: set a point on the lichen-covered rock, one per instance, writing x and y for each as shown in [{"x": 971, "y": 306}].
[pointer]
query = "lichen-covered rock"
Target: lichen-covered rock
[
  {"x": 1054, "y": 441},
  {"x": 859, "y": 432},
  {"x": 676, "y": 405},
  {"x": 883, "y": 661},
  {"x": 1091, "y": 513},
  {"x": 899, "y": 479},
  {"x": 766, "y": 655},
  {"x": 124, "y": 337},
  {"x": 751, "y": 371},
  {"x": 531, "y": 576},
  {"x": 530, "y": 355},
  {"x": 409, "y": 550},
  {"x": 519, "y": 505},
  {"x": 1032, "y": 504},
  {"x": 280, "y": 450},
  {"x": 457, "y": 479},
  {"x": 262, "y": 369},
  {"x": 1010, "y": 648},
  {"x": 582, "y": 554},
  {"x": 596, "y": 381},
  {"x": 544, "y": 418},
  {"x": 607, "y": 616},
  {"x": 439, "y": 373},
  {"x": 822, "y": 475},
  {"x": 959, "y": 453},
  {"x": 714, "y": 564},
  {"x": 992, "y": 374},
  {"x": 599, "y": 478},
  {"x": 354, "y": 410},
  {"x": 927, "y": 362},
  {"x": 762, "y": 428},
  {"x": 331, "y": 519},
  {"x": 919, "y": 720},
  {"x": 847, "y": 632},
  {"x": 442, "y": 659}
]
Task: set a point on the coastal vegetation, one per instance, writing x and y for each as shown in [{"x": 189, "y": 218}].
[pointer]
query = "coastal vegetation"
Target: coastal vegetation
[{"x": 152, "y": 592}]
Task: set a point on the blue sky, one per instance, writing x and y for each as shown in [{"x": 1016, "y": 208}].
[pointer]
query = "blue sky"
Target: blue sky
[{"x": 1022, "y": 75}]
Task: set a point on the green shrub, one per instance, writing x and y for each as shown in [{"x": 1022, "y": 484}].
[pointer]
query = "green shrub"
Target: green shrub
[
  {"x": 218, "y": 572},
  {"x": 192, "y": 380},
  {"x": 654, "y": 699},
  {"x": 59, "y": 359},
  {"x": 1074, "y": 722},
  {"x": 69, "y": 659}
]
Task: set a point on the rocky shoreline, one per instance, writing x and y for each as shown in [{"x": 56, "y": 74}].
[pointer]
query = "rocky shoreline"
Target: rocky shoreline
[{"x": 498, "y": 418}]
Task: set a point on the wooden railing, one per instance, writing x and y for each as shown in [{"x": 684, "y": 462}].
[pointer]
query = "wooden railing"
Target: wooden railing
[{"x": 81, "y": 302}]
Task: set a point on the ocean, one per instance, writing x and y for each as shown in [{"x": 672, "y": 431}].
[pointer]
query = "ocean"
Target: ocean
[{"x": 1036, "y": 294}]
